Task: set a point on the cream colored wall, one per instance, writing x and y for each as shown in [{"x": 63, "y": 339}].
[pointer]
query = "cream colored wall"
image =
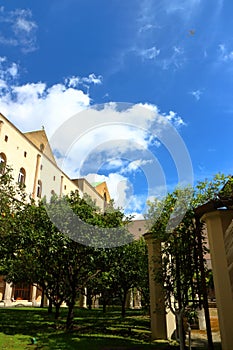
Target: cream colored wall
[
  {"x": 89, "y": 190},
  {"x": 102, "y": 189},
  {"x": 86, "y": 187},
  {"x": 51, "y": 176},
  {"x": 14, "y": 150}
]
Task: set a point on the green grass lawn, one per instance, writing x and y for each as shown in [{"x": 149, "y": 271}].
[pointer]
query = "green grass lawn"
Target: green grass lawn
[{"x": 93, "y": 331}]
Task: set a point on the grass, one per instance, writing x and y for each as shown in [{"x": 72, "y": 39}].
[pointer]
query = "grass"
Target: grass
[{"x": 93, "y": 330}]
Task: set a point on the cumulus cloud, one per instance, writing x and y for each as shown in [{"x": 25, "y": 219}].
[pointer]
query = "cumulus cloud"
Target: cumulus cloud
[
  {"x": 32, "y": 105},
  {"x": 116, "y": 138},
  {"x": 118, "y": 187},
  {"x": 135, "y": 165},
  {"x": 18, "y": 29}
]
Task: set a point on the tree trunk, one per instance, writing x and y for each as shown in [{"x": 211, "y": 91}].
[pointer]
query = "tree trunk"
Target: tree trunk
[
  {"x": 50, "y": 307},
  {"x": 89, "y": 301},
  {"x": 204, "y": 289},
  {"x": 179, "y": 315},
  {"x": 70, "y": 316},
  {"x": 42, "y": 298},
  {"x": 57, "y": 311},
  {"x": 104, "y": 306},
  {"x": 123, "y": 312}
]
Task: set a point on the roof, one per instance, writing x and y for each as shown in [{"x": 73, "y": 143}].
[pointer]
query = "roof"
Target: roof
[
  {"x": 40, "y": 140},
  {"x": 94, "y": 184}
]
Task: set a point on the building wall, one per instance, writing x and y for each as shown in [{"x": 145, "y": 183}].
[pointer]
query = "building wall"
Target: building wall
[
  {"x": 87, "y": 188},
  {"x": 32, "y": 152},
  {"x": 24, "y": 150}
]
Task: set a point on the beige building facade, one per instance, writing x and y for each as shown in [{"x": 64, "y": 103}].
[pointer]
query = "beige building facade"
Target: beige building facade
[{"x": 33, "y": 164}]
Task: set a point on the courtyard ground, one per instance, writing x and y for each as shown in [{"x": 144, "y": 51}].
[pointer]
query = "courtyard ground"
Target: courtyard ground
[{"x": 34, "y": 328}]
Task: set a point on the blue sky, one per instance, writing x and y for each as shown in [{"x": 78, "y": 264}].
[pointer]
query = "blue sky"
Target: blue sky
[{"x": 60, "y": 57}]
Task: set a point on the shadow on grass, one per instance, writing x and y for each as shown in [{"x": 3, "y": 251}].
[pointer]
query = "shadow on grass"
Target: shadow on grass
[{"x": 93, "y": 329}]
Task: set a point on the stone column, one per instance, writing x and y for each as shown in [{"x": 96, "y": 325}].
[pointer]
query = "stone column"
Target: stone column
[
  {"x": 34, "y": 290},
  {"x": 95, "y": 301},
  {"x": 46, "y": 301},
  {"x": 61, "y": 186},
  {"x": 34, "y": 193},
  {"x": 83, "y": 299},
  {"x": 1, "y": 124},
  {"x": 157, "y": 304},
  {"x": 8, "y": 294},
  {"x": 137, "y": 299},
  {"x": 217, "y": 222},
  {"x": 129, "y": 300}
]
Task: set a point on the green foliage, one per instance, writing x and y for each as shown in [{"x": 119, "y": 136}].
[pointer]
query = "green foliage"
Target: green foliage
[{"x": 183, "y": 244}]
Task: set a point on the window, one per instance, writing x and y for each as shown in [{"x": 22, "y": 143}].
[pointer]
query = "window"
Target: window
[
  {"x": 22, "y": 291},
  {"x": 41, "y": 167},
  {"x": 54, "y": 178},
  {"x": 6, "y": 138},
  {"x": 64, "y": 187},
  {"x": 25, "y": 154},
  {"x": 39, "y": 188},
  {"x": 2, "y": 162},
  {"x": 22, "y": 176}
]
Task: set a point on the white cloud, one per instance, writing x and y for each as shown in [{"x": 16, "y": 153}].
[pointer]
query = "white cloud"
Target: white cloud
[
  {"x": 118, "y": 187},
  {"x": 121, "y": 136},
  {"x": 183, "y": 7},
  {"x": 18, "y": 29},
  {"x": 121, "y": 190},
  {"x": 225, "y": 55},
  {"x": 75, "y": 81},
  {"x": 135, "y": 165},
  {"x": 196, "y": 94},
  {"x": 149, "y": 54},
  {"x": 147, "y": 27},
  {"x": 31, "y": 105},
  {"x": 176, "y": 58}
]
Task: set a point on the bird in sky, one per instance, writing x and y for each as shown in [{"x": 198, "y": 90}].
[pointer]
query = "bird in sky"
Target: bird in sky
[{"x": 191, "y": 31}]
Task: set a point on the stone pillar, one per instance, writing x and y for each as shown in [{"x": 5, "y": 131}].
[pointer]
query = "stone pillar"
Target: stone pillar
[
  {"x": 1, "y": 124},
  {"x": 34, "y": 193},
  {"x": 8, "y": 294},
  {"x": 61, "y": 185},
  {"x": 83, "y": 299},
  {"x": 137, "y": 300},
  {"x": 217, "y": 222},
  {"x": 46, "y": 301},
  {"x": 34, "y": 290},
  {"x": 95, "y": 301},
  {"x": 129, "y": 300},
  {"x": 201, "y": 319},
  {"x": 157, "y": 304}
]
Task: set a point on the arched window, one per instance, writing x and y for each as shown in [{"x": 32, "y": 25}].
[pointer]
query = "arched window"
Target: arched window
[
  {"x": 22, "y": 176},
  {"x": 39, "y": 188},
  {"x": 2, "y": 162}
]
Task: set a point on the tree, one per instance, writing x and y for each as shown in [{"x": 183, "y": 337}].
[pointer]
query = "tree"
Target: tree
[
  {"x": 52, "y": 259},
  {"x": 182, "y": 247},
  {"x": 12, "y": 202}
]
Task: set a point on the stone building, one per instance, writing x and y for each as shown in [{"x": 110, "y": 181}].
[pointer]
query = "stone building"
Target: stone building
[{"x": 34, "y": 165}]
